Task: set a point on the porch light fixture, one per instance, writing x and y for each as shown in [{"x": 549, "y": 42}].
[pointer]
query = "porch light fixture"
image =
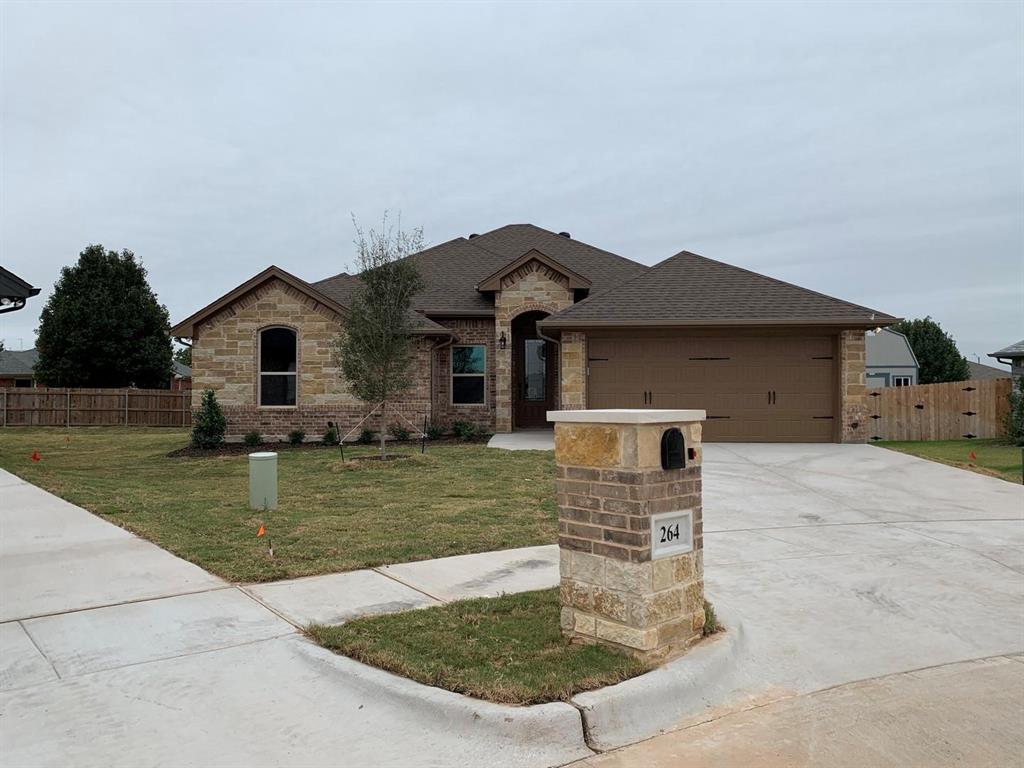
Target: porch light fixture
[{"x": 502, "y": 341}]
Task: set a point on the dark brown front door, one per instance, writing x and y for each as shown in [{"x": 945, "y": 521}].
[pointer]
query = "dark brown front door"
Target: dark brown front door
[{"x": 532, "y": 381}]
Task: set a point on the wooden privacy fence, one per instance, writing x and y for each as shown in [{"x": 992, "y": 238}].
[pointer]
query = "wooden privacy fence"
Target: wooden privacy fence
[
  {"x": 949, "y": 411},
  {"x": 54, "y": 407}
]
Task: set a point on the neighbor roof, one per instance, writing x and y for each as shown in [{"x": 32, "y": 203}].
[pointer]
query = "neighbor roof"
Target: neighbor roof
[
  {"x": 692, "y": 290},
  {"x": 13, "y": 287},
  {"x": 982, "y": 371},
  {"x": 1014, "y": 350},
  {"x": 452, "y": 270},
  {"x": 14, "y": 363}
]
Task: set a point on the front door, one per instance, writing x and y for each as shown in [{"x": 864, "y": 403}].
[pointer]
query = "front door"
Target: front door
[{"x": 532, "y": 381}]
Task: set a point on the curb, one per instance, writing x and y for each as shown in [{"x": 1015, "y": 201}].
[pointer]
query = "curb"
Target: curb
[
  {"x": 650, "y": 704},
  {"x": 495, "y": 734}
]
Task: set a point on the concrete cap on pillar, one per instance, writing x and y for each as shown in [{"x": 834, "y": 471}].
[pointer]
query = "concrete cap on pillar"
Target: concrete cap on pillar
[{"x": 628, "y": 416}]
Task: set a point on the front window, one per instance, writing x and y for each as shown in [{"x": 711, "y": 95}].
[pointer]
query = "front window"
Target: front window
[
  {"x": 534, "y": 369},
  {"x": 277, "y": 366},
  {"x": 469, "y": 368},
  {"x": 901, "y": 381}
]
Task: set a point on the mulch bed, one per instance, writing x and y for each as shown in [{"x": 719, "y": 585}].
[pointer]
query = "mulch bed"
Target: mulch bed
[{"x": 240, "y": 449}]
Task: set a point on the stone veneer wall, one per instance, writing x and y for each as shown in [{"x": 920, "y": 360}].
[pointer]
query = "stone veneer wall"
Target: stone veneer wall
[
  {"x": 574, "y": 371},
  {"x": 852, "y": 386},
  {"x": 609, "y": 482},
  {"x": 475, "y": 330},
  {"x": 532, "y": 287},
  {"x": 224, "y": 359}
]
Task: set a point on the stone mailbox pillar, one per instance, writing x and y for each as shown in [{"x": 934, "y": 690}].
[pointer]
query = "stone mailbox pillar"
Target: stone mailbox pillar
[{"x": 630, "y": 532}]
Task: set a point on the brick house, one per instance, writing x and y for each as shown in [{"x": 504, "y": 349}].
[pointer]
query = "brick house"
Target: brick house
[{"x": 519, "y": 321}]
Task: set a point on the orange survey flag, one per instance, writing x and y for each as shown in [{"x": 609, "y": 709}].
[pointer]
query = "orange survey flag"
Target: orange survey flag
[
  {"x": 972, "y": 456},
  {"x": 261, "y": 532},
  {"x": 36, "y": 456}
]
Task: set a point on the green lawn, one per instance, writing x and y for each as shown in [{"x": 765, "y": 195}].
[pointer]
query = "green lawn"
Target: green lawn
[
  {"x": 994, "y": 457},
  {"x": 507, "y": 649},
  {"x": 332, "y": 515}
]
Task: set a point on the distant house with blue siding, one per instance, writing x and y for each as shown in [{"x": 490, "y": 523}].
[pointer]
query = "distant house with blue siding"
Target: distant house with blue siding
[{"x": 890, "y": 360}]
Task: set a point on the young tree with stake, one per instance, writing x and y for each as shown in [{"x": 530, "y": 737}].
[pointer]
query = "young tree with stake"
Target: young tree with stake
[{"x": 375, "y": 346}]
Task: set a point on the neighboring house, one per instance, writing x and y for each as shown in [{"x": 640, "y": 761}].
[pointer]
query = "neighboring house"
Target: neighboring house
[
  {"x": 17, "y": 368},
  {"x": 519, "y": 321},
  {"x": 982, "y": 371},
  {"x": 1012, "y": 356},
  {"x": 890, "y": 360},
  {"x": 14, "y": 291},
  {"x": 181, "y": 377}
]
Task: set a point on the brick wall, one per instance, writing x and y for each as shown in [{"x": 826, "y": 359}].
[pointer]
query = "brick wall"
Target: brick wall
[
  {"x": 573, "y": 371},
  {"x": 475, "y": 330}
]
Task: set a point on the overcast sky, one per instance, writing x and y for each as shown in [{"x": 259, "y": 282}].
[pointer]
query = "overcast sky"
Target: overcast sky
[{"x": 872, "y": 152}]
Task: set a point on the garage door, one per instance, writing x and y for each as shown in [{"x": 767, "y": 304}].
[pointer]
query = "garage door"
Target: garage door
[{"x": 754, "y": 389}]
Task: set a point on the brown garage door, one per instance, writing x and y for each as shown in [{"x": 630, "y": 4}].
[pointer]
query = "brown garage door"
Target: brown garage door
[{"x": 756, "y": 389}]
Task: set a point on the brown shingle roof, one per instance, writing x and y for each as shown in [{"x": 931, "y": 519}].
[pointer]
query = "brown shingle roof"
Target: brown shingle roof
[
  {"x": 452, "y": 270},
  {"x": 1014, "y": 350},
  {"x": 982, "y": 371},
  {"x": 688, "y": 289},
  {"x": 341, "y": 287}
]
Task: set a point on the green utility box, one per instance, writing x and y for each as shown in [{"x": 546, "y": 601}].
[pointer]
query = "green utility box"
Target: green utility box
[{"x": 263, "y": 480}]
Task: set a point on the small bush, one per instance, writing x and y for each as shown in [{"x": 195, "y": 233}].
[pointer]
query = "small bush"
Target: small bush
[
  {"x": 330, "y": 436},
  {"x": 208, "y": 422},
  {"x": 435, "y": 431},
  {"x": 252, "y": 439},
  {"x": 465, "y": 430},
  {"x": 366, "y": 436},
  {"x": 296, "y": 436},
  {"x": 398, "y": 432},
  {"x": 711, "y": 625},
  {"x": 1014, "y": 423}
]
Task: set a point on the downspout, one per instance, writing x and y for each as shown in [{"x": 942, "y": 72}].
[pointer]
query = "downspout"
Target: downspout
[
  {"x": 437, "y": 348},
  {"x": 558, "y": 344}
]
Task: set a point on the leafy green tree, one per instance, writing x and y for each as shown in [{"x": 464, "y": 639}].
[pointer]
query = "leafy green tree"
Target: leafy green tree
[
  {"x": 103, "y": 326},
  {"x": 208, "y": 423},
  {"x": 375, "y": 346},
  {"x": 184, "y": 355},
  {"x": 935, "y": 350},
  {"x": 1014, "y": 423}
]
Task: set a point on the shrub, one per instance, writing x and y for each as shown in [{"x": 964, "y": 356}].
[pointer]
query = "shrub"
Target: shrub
[
  {"x": 465, "y": 430},
  {"x": 711, "y": 625},
  {"x": 398, "y": 432},
  {"x": 208, "y": 422},
  {"x": 296, "y": 436},
  {"x": 252, "y": 439},
  {"x": 366, "y": 436},
  {"x": 435, "y": 431},
  {"x": 1014, "y": 423},
  {"x": 330, "y": 436}
]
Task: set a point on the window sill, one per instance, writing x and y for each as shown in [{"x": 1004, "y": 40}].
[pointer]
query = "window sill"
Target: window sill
[{"x": 277, "y": 407}]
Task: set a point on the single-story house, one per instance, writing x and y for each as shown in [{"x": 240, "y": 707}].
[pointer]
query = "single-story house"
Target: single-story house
[
  {"x": 519, "y": 321},
  {"x": 1012, "y": 356},
  {"x": 17, "y": 369},
  {"x": 982, "y": 371},
  {"x": 890, "y": 360},
  {"x": 181, "y": 377},
  {"x": 14, "y": 291}
]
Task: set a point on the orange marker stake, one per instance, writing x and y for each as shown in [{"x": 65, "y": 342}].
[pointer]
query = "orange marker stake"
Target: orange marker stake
[{"x": 36, "y": 456}]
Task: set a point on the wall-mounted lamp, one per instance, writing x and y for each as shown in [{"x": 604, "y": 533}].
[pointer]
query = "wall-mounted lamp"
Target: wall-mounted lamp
[{"x": 502, "y": 341}]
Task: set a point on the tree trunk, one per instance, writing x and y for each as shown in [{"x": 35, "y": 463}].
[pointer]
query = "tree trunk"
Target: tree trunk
[{"x": 383, "y": 428}]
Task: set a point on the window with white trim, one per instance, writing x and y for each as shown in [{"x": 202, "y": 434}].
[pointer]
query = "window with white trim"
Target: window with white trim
[
  {"x": 469, "y": 374},
  {"x": 901, "y": 381},
  {"x": 278, "y": 367}
]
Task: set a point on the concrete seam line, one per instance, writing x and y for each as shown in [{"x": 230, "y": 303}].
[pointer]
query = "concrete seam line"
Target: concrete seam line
[
  {"x": 957, "y": 546},
  {"x": 123, "y": 602},
  {"x": 407, "y": 584},
  {"x": 585, "y": 726},
  {"x": 867, "y": 523},
  {"x": 270, "y": 608},
  {"x": 36, "y": 646}
]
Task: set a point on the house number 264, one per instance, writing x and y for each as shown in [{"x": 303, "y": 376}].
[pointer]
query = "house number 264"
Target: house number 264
[{"x": 669, "y": 533}]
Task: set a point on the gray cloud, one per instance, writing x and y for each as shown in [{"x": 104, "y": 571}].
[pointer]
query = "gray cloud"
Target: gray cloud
[{"x": 872, "y": 152}]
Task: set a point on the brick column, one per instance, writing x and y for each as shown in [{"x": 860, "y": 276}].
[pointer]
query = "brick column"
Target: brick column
[
  {"x": 618, "y": 587},
  {"x": 853, "y": 387}
]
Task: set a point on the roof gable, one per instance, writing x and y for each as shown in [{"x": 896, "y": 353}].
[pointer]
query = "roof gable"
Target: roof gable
[
  {"x": 692, "y": 290},
  {"x": 18, "y": 363},
  {"x": 184, "y": 329},
  {"x": 493, "y": 281}
]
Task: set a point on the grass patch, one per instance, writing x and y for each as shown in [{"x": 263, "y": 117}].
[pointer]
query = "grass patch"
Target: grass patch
[
  {"x": 994, "y": 457},
  {"x": 507, "y": 649},
  {"x": 332, "y": 515}
]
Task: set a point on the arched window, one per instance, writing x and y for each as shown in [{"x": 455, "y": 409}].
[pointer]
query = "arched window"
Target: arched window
[{"x": 278, "y": 372}]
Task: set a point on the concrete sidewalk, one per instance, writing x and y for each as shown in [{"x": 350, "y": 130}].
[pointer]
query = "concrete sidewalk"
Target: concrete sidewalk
[{"x": 967, "y": 714}]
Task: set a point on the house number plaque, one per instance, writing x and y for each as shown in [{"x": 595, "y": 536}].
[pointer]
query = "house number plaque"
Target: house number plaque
[{"x": 671, "y": 533}]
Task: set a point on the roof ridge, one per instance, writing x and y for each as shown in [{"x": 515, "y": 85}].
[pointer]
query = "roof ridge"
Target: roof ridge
[
  {"x": 776, "y": 280},
  {"x": 555, "y": 234}
]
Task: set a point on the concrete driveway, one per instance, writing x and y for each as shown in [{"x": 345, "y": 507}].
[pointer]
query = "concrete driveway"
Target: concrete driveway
[{"x": 843, "y": 563}]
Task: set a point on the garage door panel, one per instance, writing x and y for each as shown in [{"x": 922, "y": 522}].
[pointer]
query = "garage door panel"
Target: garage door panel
[{"x": 729, "y": 377}]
